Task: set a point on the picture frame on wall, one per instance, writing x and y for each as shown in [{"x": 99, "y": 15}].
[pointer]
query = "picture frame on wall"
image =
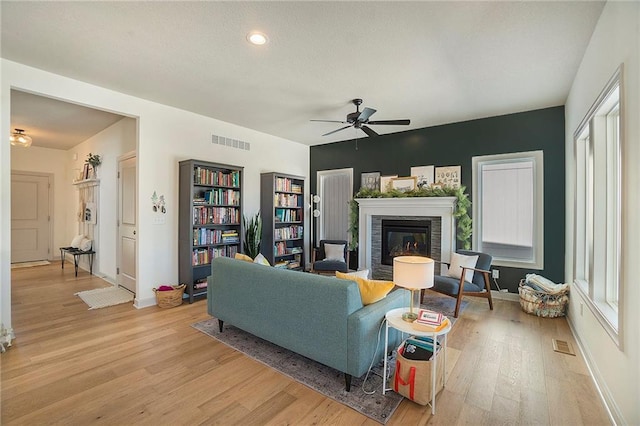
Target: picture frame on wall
[
  {"x": 404, "y": 184},
  {"x": 370, "y": 180},
  {"x": 385, "y": 182},
  {"x": 90, "y": 213},
  {"x": 448, "y": 176},
  {"x": 424, "y": 174}
]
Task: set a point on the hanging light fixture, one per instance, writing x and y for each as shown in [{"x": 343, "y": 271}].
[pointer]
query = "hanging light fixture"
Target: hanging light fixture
[{"x": 18, "y": 138}]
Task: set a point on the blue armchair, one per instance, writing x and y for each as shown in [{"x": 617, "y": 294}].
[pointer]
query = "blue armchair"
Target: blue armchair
[
  {"x": 457, "y": 287},
  {"x": 323, "y": 264}
]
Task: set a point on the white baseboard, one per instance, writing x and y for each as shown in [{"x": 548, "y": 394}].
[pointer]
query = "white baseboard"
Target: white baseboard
[
  {"x": 615, "y": 415},
  {"x": 144, "y": 303},
  {"x": 503, "y": 295}
]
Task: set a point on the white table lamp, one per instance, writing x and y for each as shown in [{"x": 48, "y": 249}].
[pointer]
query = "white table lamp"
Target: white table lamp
[{"x": 413, "y": 273}]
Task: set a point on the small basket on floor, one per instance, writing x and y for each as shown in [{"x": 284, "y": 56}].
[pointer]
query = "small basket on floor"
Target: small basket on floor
[
  {"x": 542, "y": 304},
  {"x": 170, "y": 298}
]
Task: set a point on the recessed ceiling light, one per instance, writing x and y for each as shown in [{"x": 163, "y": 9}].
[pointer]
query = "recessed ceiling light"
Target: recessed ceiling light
[{"x": 257, "y": 38}]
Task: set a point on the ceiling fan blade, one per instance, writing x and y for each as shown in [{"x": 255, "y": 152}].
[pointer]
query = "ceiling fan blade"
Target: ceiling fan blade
[
  {"x": 369, "y": 131},
  {"x": 365, "y": 114},
  {"x": 331, "y": 121},
  {"x": 396, "y": 122},
  {"x": 337, "y": 130}
]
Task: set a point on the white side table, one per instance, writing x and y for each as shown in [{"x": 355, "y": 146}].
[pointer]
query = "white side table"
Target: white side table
[{"x": 393, "y": 319}]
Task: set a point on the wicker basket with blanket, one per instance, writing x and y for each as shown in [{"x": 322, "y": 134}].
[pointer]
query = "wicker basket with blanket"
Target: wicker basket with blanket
[
  {"x": 169, "y": 296},
  {"x": 542, "y": 297}
]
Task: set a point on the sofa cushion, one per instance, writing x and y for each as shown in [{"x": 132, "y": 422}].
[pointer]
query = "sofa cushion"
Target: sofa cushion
[
  {"x": 330, "y": 265},
  {"x": 460, "y": 260},
  {"x": 450, "y": 285},
  {"x": 370, "y": 290}
]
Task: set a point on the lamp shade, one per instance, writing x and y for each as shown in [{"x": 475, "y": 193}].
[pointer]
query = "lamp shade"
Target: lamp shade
[
  {"x": 413, "y": 272},
  {"x": 18, "y": 138}
]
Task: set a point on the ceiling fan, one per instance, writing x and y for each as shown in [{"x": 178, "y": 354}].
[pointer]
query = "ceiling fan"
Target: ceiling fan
[{"x": 358, "y": 119}]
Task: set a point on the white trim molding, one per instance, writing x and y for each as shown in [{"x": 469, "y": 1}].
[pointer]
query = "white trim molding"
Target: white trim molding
[{"x": 442, "y": 207}]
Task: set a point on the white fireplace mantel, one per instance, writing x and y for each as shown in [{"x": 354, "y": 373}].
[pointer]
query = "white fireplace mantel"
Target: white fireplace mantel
[{"x": 442, "y": 207}]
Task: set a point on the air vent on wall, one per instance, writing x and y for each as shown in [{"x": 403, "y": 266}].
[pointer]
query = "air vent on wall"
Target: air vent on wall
[{"x": 233, "y": 143}]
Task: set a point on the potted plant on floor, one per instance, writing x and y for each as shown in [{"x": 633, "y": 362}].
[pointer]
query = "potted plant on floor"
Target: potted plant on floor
[{"x": 252, "y": 235}]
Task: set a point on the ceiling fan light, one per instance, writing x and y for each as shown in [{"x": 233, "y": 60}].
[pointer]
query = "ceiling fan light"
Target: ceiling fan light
[{"x": 18, "y": 138}]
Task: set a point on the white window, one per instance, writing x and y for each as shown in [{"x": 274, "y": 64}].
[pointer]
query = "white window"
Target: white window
[
  {"x": 597, "y": 215},
  {"x": 507, "y": 208}
]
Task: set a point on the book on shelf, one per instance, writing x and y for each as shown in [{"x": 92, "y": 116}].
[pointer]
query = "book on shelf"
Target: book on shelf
[
  {"x": 428, "y": 317},
  {"x": 200, "y": 284},
  {"x": 205, "y": 176}
]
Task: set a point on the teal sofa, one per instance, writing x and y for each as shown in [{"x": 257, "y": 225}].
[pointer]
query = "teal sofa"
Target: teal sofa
[{"x": 319, "y": 317}]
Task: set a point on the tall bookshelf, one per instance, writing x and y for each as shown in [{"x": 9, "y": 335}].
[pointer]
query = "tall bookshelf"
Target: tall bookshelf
[
  {"x": 210, "y": 220},
  {"x": 282, "y": 211}
]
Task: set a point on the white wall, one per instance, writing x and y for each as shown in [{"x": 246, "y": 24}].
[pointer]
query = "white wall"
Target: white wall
[
  {"x": 165, "y": 136},
  {"x": 52, "y": 161},
  {"x": 615, "y": 40},
  {"x": 112, "y": 142}
]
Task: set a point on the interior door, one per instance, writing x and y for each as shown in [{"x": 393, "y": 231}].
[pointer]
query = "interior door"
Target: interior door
[
  {"x": 335, "y": 188},
  {"x": 127, "y": 238},
  {"x": 30, "y": 220}
]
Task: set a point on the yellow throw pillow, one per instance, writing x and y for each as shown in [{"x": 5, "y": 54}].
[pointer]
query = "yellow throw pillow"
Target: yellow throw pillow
[
  {"x": 370, "y": 290},
  {"x": 241, "y": 256}
]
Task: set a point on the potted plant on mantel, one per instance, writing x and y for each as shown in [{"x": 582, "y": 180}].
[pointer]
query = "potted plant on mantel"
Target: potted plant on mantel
[{"x": 94, "y": 161}]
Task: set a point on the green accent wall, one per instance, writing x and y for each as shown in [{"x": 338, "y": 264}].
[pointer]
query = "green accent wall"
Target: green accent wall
[{"x": 455, "y": 144}]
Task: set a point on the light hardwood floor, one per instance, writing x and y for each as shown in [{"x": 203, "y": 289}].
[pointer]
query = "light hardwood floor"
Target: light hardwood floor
[{"x": 119, "y": 365}]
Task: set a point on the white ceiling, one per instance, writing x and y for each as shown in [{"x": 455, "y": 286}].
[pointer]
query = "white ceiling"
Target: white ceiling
[
  {"x": 431, "y": 62},
  {"x": 56, "y": 124}
]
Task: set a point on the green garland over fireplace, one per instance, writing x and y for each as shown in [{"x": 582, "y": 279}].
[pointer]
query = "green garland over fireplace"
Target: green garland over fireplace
[{"x": 461, "y": 213}]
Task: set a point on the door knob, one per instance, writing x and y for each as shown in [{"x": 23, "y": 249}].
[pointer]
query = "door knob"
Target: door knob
[{"x": 134, "y": 232}]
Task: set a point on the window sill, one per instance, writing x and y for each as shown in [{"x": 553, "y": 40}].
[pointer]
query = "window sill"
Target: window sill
[
  {"x": 515, "y": 264},
  {"x": 606, "y": 316}
]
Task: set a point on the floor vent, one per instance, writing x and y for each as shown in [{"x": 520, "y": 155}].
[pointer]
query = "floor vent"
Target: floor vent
[
  {"x": 563, "y": 347},
  {"x": 234, "y": 143}
]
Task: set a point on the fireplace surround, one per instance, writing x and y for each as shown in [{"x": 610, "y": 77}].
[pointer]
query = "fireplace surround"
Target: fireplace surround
[{"x": 439, "y": 210}]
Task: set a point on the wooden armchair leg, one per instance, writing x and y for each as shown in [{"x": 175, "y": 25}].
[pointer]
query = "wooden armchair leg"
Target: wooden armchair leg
[
  {"x": 488, "y": 288},
  {"x": 459, "y": 299}
]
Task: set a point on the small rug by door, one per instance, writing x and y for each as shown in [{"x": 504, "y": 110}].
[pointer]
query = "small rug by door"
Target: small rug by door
[
  {"x": 29, "y": 264},
  {"x": 319, "y": 377},
  {"x": 103, "y": 297}
]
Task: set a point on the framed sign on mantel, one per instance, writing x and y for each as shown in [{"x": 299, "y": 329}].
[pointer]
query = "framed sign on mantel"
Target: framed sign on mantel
[{"x": 448, "y": 176}]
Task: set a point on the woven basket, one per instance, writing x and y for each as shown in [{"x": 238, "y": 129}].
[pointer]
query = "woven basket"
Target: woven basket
[
  {"x": 170, "y": 298},
  {"x": 542, "y": 304}
]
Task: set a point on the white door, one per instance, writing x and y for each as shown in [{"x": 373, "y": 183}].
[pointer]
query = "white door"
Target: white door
[
  {"x": 29, "y": 217},
  {"x": 127, "y": 187}
]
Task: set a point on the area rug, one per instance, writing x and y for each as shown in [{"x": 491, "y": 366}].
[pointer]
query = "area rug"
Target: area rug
[
  {"x": 441, "y": 303},
  {"x": 319, "y": 377},
  {"x": 103, "y": 297},
  {"x": 29, "y": 264}
]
